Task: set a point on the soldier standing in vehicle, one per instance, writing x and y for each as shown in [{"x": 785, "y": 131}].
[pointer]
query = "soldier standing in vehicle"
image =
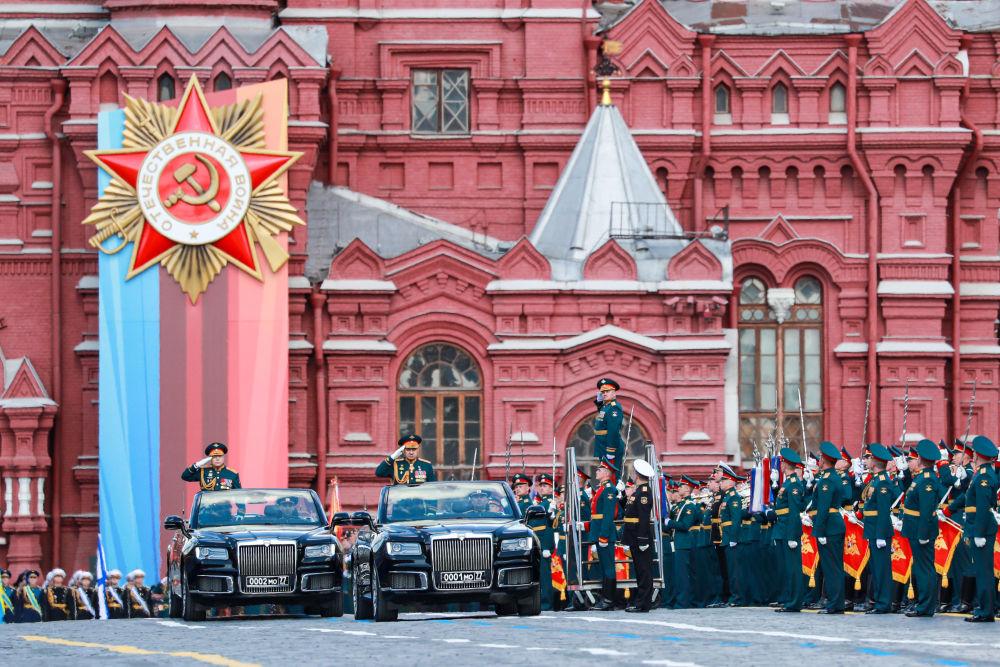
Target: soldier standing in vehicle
[
  {"x": 211, "y": 472},
  {"x": 409, "y": 469}
]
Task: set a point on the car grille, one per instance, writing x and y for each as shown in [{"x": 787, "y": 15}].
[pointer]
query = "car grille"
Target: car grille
[
  {"x": 515, "y": 576},
  {"x": 271, "y": 559},
  {"x": 407, "y": 581},
  {"x": 462, "y": 563},
  {"x": 317, "y": 582}
]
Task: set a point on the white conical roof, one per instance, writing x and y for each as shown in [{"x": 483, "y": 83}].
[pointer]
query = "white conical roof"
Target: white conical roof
[{"x": 606, "y": 166}]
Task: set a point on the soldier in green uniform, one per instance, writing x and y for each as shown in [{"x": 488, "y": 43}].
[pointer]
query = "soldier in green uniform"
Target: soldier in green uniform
[
  {"x": 730, "y": 516},
  {"x": 961, "y": 575},
  {"x": 828, "y": 527},
  {"x": 7, "y": 595},
  {"x": 920, "y": 526},
  {"x": 520, "y": 483},
  {"x": 684, "y": 518},
  {"x": 788, "y": 528},
  {"x": 409, "y": 469},
  {"x": 545, "y": 531},
  {"x": 980, "y": 502},
  {"x": 602, "y": 532},
  {"x": 637, "y": 533},
  {"x": 878, "y": 497},
  {"x": 211, "y": 472},
  {"x": 668, "y": 597},
  {"x": 608, "y": 443}
]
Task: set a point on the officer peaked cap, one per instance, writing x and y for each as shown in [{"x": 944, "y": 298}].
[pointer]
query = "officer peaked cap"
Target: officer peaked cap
[
  {"x": 520, "y": 478},
  {"x": 879, "y": 451},
  {"x": 829, "y": 451},
  {"x": 728, "y": 472},
  {"x": 405, "y": 440},
  {"x": 608, "y": 465},
  {"x": 544, "y": 478},
  {"x": 984, "y": 447},
  {"x": 216, "y": 445},
  {"x": 927, "y": 450},
  {"x": 607, "y": 382},
  {"x": 844, "y": 454},
  {"x": 581, "y": 473},
  {"x": 791, "y": 456}
]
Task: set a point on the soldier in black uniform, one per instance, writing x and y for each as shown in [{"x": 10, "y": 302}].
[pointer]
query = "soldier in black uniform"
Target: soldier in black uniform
[
  {"x": 57, "y": 602},
  {"x": 137, "y": 596},
  {"x": 113, "y": 596},
  {"x": 637, "y": 533},
  {"x": 84, "y": 600}
]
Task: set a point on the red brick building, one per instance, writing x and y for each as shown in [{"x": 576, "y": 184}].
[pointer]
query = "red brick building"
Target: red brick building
[{"x": 466, "y": 273}]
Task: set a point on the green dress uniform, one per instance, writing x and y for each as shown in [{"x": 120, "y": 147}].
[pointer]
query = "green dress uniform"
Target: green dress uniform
[
  {"x": 210, "y": 478},
  {"x": 788, "y": 532},
  {"x": 828, "y": 496},
  {"x": 602, "y": 532},
  {"x": 544, "y": 529},
  {"x": 608, "y": 442},
  {"x": 878, "y": 496},
  {"x": 961, "y": 563},
  {"x": 682, "y": 523},
  {"x": 730, "y": 516},
  {"x": 981, "y": 529},
  {"x": 920, "y": 527},
  {"x": 401, "y": 471}
]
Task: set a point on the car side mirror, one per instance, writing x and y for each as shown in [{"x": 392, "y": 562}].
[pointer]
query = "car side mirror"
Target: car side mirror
[
  {"x": 340, "y": 519},
  {"x": 362, "y": 519},
  {"x": 534, "y": 513},
  {"x": 174, "y": 522}
]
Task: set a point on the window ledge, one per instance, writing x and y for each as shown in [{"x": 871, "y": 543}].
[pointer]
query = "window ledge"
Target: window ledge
[
  {"x": 837, "y": 118},
  {"x": 779, "y": 119},
  {"x": 723, "y": 119},
  {"x": 431, "y": 136}
]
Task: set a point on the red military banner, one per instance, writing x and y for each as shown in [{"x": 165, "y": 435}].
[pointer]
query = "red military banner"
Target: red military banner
[
  {"x": 902, "y": 558},
  {"x": 949, "y": 534},
  {"x": 810, "y": 555},
  {"x": 856, "y": 552},
  {"x": 621, "y": 563},
  {"x": 996, "y": 560},
  {"x": 558, "y": 576}
]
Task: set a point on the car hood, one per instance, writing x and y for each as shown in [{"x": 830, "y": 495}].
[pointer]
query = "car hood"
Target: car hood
[
  {"x": 233, "y": 534},
  {"x": 437, "y": 528}
]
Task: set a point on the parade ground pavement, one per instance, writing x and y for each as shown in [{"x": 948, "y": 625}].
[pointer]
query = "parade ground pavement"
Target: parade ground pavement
[{"x": 708, "y": 637}]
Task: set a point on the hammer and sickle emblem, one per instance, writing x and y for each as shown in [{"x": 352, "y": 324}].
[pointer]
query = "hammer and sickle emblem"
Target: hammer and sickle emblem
[{"x": 204, "y": 196}]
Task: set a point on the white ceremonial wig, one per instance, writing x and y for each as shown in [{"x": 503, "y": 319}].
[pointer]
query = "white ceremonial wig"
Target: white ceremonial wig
[{"x": 53, "y": 574}]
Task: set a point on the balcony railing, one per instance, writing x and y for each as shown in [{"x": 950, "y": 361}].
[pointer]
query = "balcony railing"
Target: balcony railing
[{"x": 652, "y": 220}]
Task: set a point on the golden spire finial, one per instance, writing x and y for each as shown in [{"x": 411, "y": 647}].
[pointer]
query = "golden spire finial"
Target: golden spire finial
[{"x": 606, "y": 92}]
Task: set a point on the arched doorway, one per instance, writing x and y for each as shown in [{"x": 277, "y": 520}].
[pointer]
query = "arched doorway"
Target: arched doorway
[{"x": 441, "y": 398}]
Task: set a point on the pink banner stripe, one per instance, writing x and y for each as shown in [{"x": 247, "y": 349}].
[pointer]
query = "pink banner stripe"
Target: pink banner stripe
[{"x": 258, "y": 340}]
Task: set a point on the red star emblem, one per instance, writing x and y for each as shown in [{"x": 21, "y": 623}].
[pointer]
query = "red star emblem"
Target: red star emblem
[{"x": 195, "y": 189}]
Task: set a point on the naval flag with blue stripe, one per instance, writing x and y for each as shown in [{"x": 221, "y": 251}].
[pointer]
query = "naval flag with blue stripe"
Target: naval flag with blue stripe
[{"x": 102, "y": 580}]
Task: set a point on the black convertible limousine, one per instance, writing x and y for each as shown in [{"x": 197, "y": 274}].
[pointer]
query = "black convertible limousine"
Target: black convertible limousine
[
  {"x": 443, "y": 542},
  {"x": 254, "y": 546}
]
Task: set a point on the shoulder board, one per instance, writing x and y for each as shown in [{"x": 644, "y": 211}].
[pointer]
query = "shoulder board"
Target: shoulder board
[{"x": 424, "y": 461}]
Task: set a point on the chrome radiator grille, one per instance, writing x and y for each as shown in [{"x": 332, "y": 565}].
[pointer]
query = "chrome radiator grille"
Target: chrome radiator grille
[
  {"x": 462, "y": 563},
  {"x": 260, "y": 561}
]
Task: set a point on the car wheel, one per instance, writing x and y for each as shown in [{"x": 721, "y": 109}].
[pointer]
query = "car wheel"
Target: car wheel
[
  {"x": 531, "y": 605},
  {"x": 332, "y": 608},
  {"x": 380, "y": 606},
  {"x": 362, "y": 606},
  {"x": 192, "y": 611},
  {"x": 508, "y": 608}
]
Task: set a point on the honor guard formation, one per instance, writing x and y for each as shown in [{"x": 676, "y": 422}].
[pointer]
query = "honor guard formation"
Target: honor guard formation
[{"x": 891, "y": 531}]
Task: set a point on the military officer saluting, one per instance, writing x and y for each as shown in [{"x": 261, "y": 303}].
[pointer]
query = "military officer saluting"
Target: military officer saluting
[
  {"x": 920, "y": 526},
  {"x": 788, "y": 528},
  {"x": 211, "y": 472},
  {"x": 828, "y": 527},
  {"x": 608, "y": 442},
  {"x": 409, "y": 469},
  {"x": 603, "y": 534},
  {"x": 637, "y": 533},
  {"x": 980, "y": 501}
]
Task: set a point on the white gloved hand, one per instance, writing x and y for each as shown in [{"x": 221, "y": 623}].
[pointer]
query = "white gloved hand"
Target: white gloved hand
[
  {"x": 395, "y": 454},
  {"x": 620, "y": 485},
  {"x": 579, "y": 525},
  {"x": 602, "y": 545},
  {"x": 821, "y": 540},
  {"x": 900, "y": 463},
  {"x": 859, "y": 480},
  {"x": 203, "y": 462},
  {"x": 808, "y": 476},
  {"x": 923, "y": 541},
  {"x": 897, "y": 523},
  {"x": 857, "y": 467},
  {"x": 880, "y": 544},
  {"x": 792, "y": 544},
  {"x": 732, "y": 544},
  {"x": 960, "y": 474},
  {"x": 774, "y": 476},
  {"x": 546, "y": 554},
  {"x": 980, "y": 541},
  {"x": 941, "y": 515},
  {"x": 958, "y": 484},
  {"x": 643, "y": 548}
]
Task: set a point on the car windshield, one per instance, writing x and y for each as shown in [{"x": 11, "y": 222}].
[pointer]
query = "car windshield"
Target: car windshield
[
  {"x": 441, "y": 501},
  {"x": 258, "y": 507}
]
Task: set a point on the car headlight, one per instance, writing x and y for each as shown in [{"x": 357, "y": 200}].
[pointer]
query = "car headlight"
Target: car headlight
[
  {"x": 319, "y": 551},
  {"x": 211, "y": 553},
  {"x": 403, "y": 548},
  {"x": 517, "y": 544}
]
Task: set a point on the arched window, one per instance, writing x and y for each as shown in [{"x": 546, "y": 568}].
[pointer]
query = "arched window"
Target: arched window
[
  {"x": 165, "y": 88},
  {"x": 838, "y": 104},
  {"x": 780, "y": 354},
  {"x": 222, "y": 82},
  {"x": 440, "y": 398},
  {"x": 779, "y": 104},
  {"x": 583, "y": 440},
  {"x": 723, "y": 107}
]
